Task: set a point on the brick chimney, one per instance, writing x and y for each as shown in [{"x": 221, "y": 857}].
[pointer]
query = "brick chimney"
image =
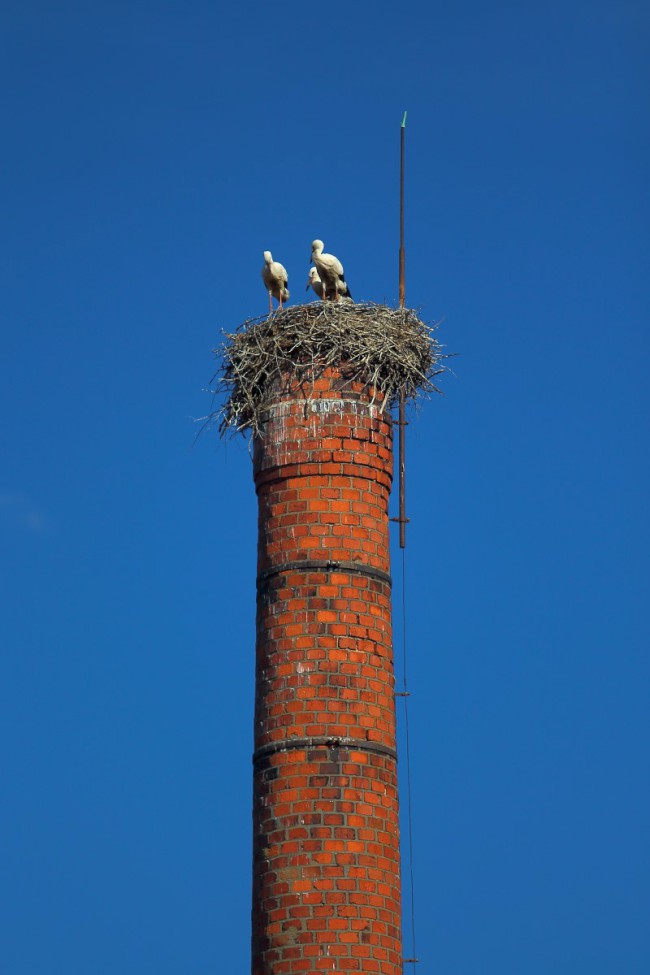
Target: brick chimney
[{"x": 326, "y": 868}]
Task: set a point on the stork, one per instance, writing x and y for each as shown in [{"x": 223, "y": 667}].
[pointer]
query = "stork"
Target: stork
[
  {"x": 315, "y": 282},
  {"x": 317, "y": 285},
  {"x": 330, "y": 272},
  {"x": 275, "y": 280}
]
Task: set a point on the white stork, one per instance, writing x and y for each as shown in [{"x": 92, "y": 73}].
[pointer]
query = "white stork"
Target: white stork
[
  {"x": 330, "y": 272},
  {"x": 275, "y": 280},
  {"x": 317, "y": 285},
  {"x": 315, "y": 282}
]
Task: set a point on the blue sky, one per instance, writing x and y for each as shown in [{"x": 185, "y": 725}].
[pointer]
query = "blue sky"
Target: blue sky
[{"x": 151, "y": 152}]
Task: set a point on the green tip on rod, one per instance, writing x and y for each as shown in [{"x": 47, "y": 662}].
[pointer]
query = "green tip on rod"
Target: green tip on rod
[{"x": 404, "y": 121}]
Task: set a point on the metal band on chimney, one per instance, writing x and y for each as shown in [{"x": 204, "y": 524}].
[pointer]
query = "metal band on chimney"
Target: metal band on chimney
[
  {"x": 349, "y": 744},
  {"x": 324, "y": 565}
]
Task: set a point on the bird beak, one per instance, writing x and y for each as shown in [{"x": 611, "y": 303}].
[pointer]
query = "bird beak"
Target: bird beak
[{"x": 308, "y": 283}]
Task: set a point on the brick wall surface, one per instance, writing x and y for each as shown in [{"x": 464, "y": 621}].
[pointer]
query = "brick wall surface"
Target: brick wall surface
[{"x": 326, "y": 891}]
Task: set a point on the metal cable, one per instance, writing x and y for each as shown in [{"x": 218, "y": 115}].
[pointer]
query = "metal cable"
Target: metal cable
[{"x": 408, "y": 759}]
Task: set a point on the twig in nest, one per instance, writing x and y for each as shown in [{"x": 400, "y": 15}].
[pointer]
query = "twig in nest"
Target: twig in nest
[{"x": 389, "y": 350}]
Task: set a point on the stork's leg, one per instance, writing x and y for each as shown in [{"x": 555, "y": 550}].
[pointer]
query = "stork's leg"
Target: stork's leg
[
  {"x": 270, "y": 304},
  {"x": 280, "y": 301}
]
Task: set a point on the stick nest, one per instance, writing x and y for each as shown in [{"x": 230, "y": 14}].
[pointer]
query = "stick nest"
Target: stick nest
[{"x": 387, "y": 350}]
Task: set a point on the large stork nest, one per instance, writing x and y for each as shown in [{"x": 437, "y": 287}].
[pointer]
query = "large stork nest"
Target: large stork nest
[{"x": 386, "y": 349}]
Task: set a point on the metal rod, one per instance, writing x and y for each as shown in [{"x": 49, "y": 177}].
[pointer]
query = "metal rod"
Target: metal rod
[
  {"x": 402, "y": 471},
  {"x": 402, "y": 253},
  {"x": 402, "y": 297}
]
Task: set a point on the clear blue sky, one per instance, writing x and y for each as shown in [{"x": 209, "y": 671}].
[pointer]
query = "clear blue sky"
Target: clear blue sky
[{"x": 151, "y": 152}]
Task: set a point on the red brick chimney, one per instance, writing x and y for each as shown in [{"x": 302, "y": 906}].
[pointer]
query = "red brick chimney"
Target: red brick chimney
[{"x": 326, "y": 869}]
